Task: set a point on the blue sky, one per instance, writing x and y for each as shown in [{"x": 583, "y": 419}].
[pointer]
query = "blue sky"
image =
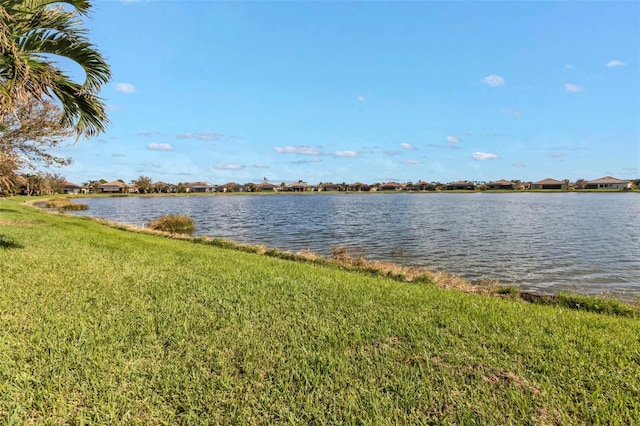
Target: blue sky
[{"x": 365, "y": 91}]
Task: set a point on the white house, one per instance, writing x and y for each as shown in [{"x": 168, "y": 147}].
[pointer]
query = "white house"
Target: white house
[{"x": 608, "y": 182}]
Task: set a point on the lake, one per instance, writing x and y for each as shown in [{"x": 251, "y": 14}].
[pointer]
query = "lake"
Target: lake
[{"x": 546, "y": 242}]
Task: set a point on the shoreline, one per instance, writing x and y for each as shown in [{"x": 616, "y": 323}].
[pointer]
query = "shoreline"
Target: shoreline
[
  {"x": 344, "y": 258},
  {"x": 408, "y": 235},
  {"x": 271, "y": 193}
]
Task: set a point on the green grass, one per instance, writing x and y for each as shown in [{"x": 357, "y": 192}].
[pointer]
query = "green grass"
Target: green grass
[{"x": 105, "y": 326}]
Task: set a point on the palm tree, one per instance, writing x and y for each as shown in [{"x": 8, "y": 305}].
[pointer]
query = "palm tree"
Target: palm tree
[
  {"x": 143, "y": 183},
  {"x": 32, "y": 34}
]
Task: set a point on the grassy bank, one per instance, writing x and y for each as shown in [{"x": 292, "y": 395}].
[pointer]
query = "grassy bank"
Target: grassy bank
[{"x": 102, "y": 325}]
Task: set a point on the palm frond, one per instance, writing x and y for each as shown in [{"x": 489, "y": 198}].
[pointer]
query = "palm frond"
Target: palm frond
[{"x": 32, "y": 34}]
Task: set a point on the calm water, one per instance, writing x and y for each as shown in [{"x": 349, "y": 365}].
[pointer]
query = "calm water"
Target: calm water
[{"x": 546, "y": 242}]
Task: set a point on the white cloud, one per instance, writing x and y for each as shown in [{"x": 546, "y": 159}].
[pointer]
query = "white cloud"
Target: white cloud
[
  {"x": 228, "y": 167},
  {"x": 569, "y": 66},
  {"x": 573, "y": 88},
  {"x": 361, "y": 98},
  {"x": 126, "y": 88},
  {"x": 346, "y": 154},
  {"x": 556, "y": 154},
  {"x": 405, "y": 145},
  {"x": 453, "y": 139},
  {"x": 148, "y": 134},
  {"x": 483, "y": 156},
  {"x": 493, "y": 80},
  {"x": 206, "y": 136},
  {"x": 160, "y": 147},
  {"x": 260, "y": 166},
  {"x": 299, "y": 150},
  {"x": 615, "y": 63},
  {"x": 411, "y": 162},
  {"x": 519, "y": 165}
]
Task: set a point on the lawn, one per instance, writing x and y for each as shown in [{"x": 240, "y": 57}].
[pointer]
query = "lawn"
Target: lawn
[{"x": 103, "y": 325}]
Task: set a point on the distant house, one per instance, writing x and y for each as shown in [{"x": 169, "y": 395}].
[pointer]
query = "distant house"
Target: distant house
[
  {"x": 328, "y": 187},
  {"x": 113, "y": 187},
  {"x": 424, "y": 186},
  {"x": 266, "y": 187},
  {"x": 358, "y": 186},
  {"x": 163, "y": 187},
  {"x": 608, "y": 182},
  {"x": 298, "y": 187},
  {"x": 501, "y": 184},
  {"x": 390, "y": 186},
  {"x": 200, "y": 187},
  {"x": 461, "y": 186},
  {"x": 232, "y": 187},
  {"x": 71, "y": 188},
  {"x": 549, "y": 184}
]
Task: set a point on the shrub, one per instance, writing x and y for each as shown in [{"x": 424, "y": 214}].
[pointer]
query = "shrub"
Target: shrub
[
  {"x": 173, "y": 223},
  {"x": 508, "y": 291},
  {"x": 64, "y": 204},
  {"x": 348, "y": 256}
]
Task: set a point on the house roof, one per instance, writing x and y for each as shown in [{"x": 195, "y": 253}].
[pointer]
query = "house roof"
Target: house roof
[
  {"x": 548, "y": 181},
  {"x": 72, "y": 185},
  {"x": 194, "y": 184},
  {"x": 461, "y": 183},
  {"x": 502, "y": 182},
  {"x": 608, "y": 179},
  {"x": 266, "y": 185},
  {"x": 113, "y": 183}
]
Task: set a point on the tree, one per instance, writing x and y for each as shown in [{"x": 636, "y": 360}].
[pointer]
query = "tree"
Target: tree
[
  {"x": 580, "y": 184},
  {"x": 160, "y": 187},
  {"x": 34, "y": 184},
  {"x": 26, "y": 136},
  {"x": 143, "y": 183},
  {"x": 54, "y": 182},
  {"x": 10, "y": 181},
  {"x": 92, "y": 185},
  {"x": 32, "y": 34}
]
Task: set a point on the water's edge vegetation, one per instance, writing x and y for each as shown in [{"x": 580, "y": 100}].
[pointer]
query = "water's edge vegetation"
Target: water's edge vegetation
[{"x": 103, "y": 325}]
